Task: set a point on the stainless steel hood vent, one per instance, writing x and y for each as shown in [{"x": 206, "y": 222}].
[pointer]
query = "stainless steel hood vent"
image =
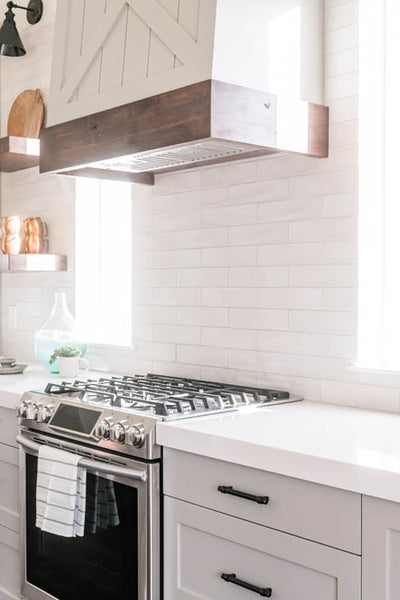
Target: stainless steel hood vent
[{"x": 170, "y": 158}]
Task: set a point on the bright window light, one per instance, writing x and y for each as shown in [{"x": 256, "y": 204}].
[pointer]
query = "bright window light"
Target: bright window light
[
  {"x": 379, "y": 186},
  {"x": 104, "y": 261}
]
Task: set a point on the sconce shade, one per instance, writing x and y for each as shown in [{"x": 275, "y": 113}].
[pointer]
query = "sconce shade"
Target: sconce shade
[{"x": 10, "y": 42}]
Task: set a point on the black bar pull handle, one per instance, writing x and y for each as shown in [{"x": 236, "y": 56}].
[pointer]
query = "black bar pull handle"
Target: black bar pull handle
[
  {"x": 231, "y": 578},
  {"x": 228, "y": 489}
]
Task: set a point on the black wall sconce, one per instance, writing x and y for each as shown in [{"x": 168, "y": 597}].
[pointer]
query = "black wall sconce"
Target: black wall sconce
[{"x": 10, "y": 42}]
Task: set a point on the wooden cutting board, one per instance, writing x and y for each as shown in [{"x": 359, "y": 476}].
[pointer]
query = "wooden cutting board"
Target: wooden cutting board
[{"x": 26, "y": 115}]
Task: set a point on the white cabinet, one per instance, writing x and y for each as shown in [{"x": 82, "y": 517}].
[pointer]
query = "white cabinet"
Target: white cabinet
[
  {"x": 10, "y": 572},
  {"x": 203, "y": 545},
  {"x": 256, "y": 532},
  {"x": 381, "y": 549}
]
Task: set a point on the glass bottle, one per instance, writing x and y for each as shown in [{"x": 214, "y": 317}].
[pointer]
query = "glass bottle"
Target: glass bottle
[{"x": 57, "y": 331}]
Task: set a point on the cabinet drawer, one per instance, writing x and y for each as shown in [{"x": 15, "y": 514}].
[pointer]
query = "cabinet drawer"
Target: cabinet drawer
[
  {"x": 309, "y": 510},
  {"x": 203, "y": 545}
]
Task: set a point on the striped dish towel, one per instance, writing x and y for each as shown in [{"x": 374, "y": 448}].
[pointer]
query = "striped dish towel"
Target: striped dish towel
[
  {"x": 101, "y": 506},
  {"x": 60, "y": 493}
]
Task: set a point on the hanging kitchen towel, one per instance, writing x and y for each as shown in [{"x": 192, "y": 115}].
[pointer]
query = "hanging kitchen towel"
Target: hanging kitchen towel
[
  {"x": 101, "y": 509},
  {"x": 60, "y": 493}
]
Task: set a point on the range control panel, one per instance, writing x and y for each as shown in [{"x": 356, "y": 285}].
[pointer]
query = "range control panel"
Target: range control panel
[{"x": 83, "y": 420}]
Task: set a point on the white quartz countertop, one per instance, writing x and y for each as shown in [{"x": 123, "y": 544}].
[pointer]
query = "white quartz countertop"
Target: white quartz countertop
[
  {"x": 347, "y": 448},
  {"x": 33, "y": 378}
]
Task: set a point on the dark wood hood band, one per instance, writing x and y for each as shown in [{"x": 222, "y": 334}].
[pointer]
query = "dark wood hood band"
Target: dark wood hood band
[{"x": 206, "y": 110}]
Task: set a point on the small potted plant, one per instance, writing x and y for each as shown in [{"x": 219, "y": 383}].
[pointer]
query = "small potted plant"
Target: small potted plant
[{"x": 70, "y": 362}]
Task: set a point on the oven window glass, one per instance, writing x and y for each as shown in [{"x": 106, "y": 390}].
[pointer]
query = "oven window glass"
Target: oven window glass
[{"x": 101, "y": 565}]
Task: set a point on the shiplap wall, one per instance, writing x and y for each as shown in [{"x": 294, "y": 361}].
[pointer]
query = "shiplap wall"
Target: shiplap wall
[{"x": 245, "y": 272}]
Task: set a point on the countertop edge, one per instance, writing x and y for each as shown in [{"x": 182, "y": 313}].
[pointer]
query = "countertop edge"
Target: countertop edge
[{"x": 350, "y": 477}]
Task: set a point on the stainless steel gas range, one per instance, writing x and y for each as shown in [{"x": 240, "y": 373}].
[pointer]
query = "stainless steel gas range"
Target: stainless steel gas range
[{"x": 111, "y": 424}]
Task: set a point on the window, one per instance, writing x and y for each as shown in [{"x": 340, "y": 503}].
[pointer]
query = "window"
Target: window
[
  {"x": 379, "y": 185},
  {"x": 104, "y": 261}
]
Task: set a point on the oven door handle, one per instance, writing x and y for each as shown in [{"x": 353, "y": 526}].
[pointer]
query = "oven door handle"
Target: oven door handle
[{"x": 91, "y": 465}]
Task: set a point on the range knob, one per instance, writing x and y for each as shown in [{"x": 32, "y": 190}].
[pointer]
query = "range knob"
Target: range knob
[
  {"x": 33, "y": 410},
  {"x": 119, "y": 431},
  {"x": 22, "y": 409},
  {"x": 136, "y": 435},
  {"x": 104, "y": 428},
  {"x": 45, "y": 413}
]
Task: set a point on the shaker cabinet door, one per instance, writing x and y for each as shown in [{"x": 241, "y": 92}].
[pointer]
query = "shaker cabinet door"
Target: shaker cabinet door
[
  {"x": 212, "y": 556},
  {"x": 381, "y": 549}
]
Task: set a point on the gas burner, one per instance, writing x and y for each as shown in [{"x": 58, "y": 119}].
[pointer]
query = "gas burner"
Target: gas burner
[{"x": 166, "y": 397}]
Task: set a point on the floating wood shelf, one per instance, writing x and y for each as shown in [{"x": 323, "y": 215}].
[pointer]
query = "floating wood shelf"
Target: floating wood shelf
[
  {"x": 24, "y": 263},
  {"x": 17, "y": 153}
]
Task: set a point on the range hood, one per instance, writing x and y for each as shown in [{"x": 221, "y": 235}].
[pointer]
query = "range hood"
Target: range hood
[{"x": 252, "y": 92}]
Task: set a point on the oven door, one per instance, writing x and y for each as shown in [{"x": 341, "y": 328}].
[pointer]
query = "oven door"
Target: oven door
[{"x": 117, "y": 560}]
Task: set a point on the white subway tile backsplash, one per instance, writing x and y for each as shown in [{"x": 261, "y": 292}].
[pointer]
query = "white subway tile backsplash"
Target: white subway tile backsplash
[
  {"x": 294, "y": 298},
  {"x": 339, "y": 322},
  {"x": 155, "y": 314},
  {"x": 341, "y": 63},
  {"x": 175, "y": 221},
  {"x": 343, "y": 109},
  {"x": 312, "y": 344},
  {"x": 308, "y": 253},
  {"x": 171, "y": 183},
  {"x": 203, "y": 355},
  {"x": 258, "y": 361},
  {"x": 323, "y": 230},
  {"x": 341, "y": 15},
  {"x": 341, "y": 86},
  {"x": 258, "y": 318},
  {"x": 202, "y": 238},
  {"x": 176, "y": 296},
  {"x": 227, "y": 337},
  {"x": 264, "y": 233},
  {"x": 229, "y": 215},
  {"x": 175, "y": 258},
  {"x": 339, "y": 299},
  {"x": 344, "y": 134},
  {"x": 202, "y": 316},
  {"x": 191, "y": 200},
  {"x": 340, "y": 205},
  {"x": 155, "y": 278},
  {"x": 317, "y": 184},
  {"x": 262, "y": 191},
  {"x": 176, "y": 334},
  {"x": 271, "y": 276},
  {"x": 323, "y": 276},
  {"x": 232, "y": 297},
  {"x": 316, "y": 366},
  {"x": 203, "y": 277},
  {"x": 226, "y": 175},
  {"x": 229, "y": 256},
  {"x": 290, "y": 210},
  {"x": 341, "y": 39}
]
